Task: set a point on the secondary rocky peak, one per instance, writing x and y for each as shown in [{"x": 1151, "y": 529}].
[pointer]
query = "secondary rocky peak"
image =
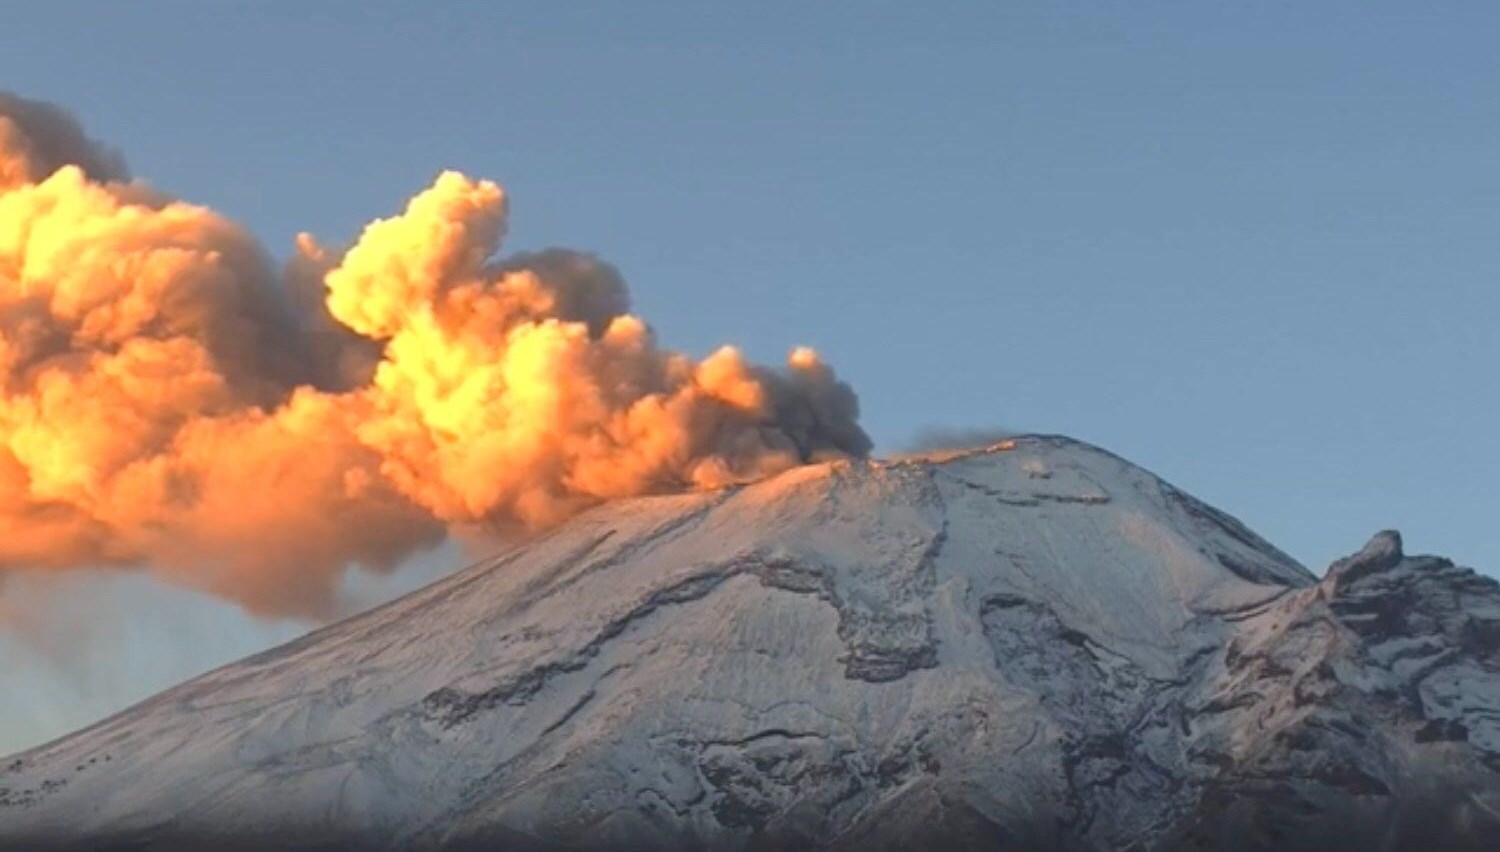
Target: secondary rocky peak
[{"x": 1381, "y": 553}]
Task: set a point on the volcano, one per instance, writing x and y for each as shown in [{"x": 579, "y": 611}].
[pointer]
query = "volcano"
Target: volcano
[{"x": 1035, "y": 645}]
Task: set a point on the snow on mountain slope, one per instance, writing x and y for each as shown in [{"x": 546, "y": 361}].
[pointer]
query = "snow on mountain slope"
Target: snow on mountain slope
[{"x": 1036, "y": 645}]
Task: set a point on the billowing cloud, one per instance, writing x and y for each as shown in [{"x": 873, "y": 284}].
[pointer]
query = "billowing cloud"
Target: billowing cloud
[
  {"x": 170, "y": 399},
  {"x": 37, "y": 139}
]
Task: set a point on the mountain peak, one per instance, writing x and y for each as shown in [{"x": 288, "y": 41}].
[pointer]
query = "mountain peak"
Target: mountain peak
[{"x": 1033, "y": 642}]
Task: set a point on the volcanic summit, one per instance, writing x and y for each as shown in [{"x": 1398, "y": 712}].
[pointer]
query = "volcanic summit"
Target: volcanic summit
[{"x": 1035, "y": 645}]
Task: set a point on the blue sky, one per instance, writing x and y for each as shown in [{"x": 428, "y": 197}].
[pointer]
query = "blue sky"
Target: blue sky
[{"x": 1251, "y": 247}]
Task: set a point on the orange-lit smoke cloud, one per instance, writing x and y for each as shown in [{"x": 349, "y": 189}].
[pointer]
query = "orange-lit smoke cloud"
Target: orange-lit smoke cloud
[{"x": 169, "y": 398}]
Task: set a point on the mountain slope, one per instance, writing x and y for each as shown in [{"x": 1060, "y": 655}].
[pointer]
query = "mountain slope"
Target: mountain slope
[{"x": 1036, "y": 645}]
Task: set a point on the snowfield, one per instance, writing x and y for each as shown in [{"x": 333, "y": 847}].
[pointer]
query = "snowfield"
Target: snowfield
[{"x": 1032, "y": 646}]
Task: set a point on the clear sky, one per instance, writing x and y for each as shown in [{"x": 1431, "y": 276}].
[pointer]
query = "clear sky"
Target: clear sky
[{"x": 1251, "y": 247}]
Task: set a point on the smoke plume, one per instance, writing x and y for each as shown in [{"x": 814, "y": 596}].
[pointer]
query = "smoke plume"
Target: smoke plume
[{"x": 170, "y": 398}]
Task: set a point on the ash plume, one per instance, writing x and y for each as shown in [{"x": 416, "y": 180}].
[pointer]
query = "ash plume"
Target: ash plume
[{"x": 170, "y": 398}]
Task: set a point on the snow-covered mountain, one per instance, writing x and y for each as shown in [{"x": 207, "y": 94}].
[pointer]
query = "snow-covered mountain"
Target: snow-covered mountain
[{"x": 1031, "y": 646}]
